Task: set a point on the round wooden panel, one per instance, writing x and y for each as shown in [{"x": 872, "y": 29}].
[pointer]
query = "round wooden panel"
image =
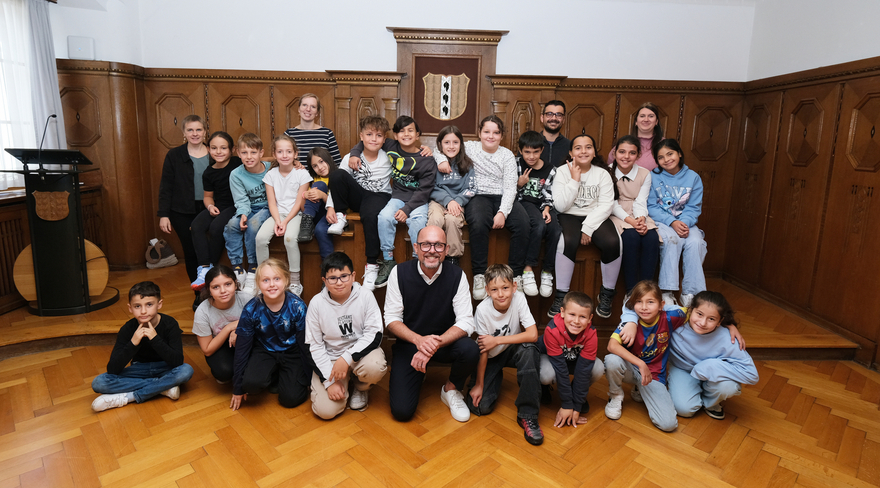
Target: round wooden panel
[{"x": 96, "y": 265}]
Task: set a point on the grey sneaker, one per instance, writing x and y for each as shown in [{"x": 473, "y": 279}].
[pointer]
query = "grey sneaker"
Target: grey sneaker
[
  {"x": 306, "y": 228},
  {"x": 636, "y": 394},
  {"x": 385, "y": 271},
  {"x": 556, "y": 305},
  {"x": 606, "y": 297},
  {"x": 358, "y": 400},
  {"x": 717, "y": 412}
]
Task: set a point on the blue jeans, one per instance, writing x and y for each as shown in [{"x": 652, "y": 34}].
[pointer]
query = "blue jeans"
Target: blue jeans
[
  {"x": 656, "y": 396},
  {"x": 319, "y": 214},
  {"x": 232, "y": 233},
  {"x": 416, "y": 221},
  {"x": 689, "y": 394},
  {"x": 691, "y": 250},
  {"x": 143, "y": 380}
]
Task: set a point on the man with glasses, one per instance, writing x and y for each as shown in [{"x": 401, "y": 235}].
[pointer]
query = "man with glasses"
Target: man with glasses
[
  {"x": 344, "y": 334},
  {"x": 556, "y": 145},
  {"x": 428, "y": 308}
]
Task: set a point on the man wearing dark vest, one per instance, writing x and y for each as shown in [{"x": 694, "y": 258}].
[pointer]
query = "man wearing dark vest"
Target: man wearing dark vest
[
  {"x": 428, "y": 308},
  {"x": 556, "y": 145}
]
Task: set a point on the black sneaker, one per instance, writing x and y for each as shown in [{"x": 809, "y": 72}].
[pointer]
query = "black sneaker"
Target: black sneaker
[
  {"x": 453, "y": 260},
  {"x": 606, "y": 297},
  {"x": 546, "y": 396},
  {"x": 385, "y": 271},
  {"x": 717, "y": 413},
  {"x": 585, "y": 408},
  {"x": 532, "y": 431},
  {"x": 306, "y": 228},
  {"x": 557, "y": 304}
]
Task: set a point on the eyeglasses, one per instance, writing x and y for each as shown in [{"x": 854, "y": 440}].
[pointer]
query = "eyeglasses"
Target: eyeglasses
[
  {"x": 554, "y": 115},
  {"x": 343, "y": 278},
  {"x": 426, "y": 246}
]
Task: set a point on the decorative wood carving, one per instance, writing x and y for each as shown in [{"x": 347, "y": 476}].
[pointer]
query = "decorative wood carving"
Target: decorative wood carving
[
  {"x": 366, "y": 107},
  {"x": 171, "y": 109},
  {"x": 240, "y": 114},
  {"x": 585, "y": 119},
  {"x": 82, "y": 122},
  {"x": 863, "y": 144},
  {"x": 804, "y": 132},
  {"x": 523, "y": 115},
  {"x": 711, "y": 133},
  {"x": 756, "y": 135}
]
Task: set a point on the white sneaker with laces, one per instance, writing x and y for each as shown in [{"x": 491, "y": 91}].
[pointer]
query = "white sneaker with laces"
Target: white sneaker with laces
[
  {"x": 371, "y": 272},
  {"x": 250, "y": 284},
  {"x": 172, "y": 393},
  {"x": 546, "y": 284},
  {"x": 358, "y": 400},
  {"x": 669, "y": 298},
  {"x": 519, "y": 283},
  {"x": 339, "y": 226},
  {"x": 241, "y": 277},
  {"x": 296, "y": 289},
  {"x": 479, "y": 287},
  {"x": 455, "y": 401},
  {"x": 686, "y": 299},
  {"x": 529, "y": 286},
  {"x": 114, "y": 400},
  {"x": 615, "y": 406}
]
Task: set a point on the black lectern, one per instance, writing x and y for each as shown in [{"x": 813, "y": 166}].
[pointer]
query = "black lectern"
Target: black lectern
[{"x": 56, "y": 225}]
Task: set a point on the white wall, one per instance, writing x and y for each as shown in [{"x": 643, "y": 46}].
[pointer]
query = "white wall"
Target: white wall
[
  {"x": 649, "y": 39},
  {"x": 795, "y": 35}
]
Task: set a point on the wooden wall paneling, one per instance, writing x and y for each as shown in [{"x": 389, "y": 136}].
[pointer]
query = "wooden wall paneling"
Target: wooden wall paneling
[
  {"x": 520, "y": 99},
  {"x": 710, "y": 137},
  {"x": 14, "y": 237},
  {"x": 848, "y": 269},
  {"x": 755, "y": 154},
  {"x": 285, "y": 98},
  {"x": 168, "y": 100},
  {"x": 797, "y": 197},
  {"x": 359, "y": 94},
  {"x": 590, "y": 112},
  {"x": 239, "y": 108},
  {"x": 668, "y": 103}
]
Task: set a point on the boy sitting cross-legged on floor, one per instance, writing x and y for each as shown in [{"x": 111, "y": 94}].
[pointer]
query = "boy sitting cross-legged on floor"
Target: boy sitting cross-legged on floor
[
  {"x": 507, "y": 335},
  {"x": 151, "y": 343},
  {"x": 344, "y": 334}
]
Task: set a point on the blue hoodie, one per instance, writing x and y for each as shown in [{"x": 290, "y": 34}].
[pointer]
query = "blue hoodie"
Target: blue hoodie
[
  {"x": 711, "y": 356},
  {"x": 676, "y": 197}
]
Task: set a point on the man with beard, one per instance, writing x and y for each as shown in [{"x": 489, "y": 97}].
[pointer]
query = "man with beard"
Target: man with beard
[
  {"x": 556, "y": 145},
  {"x": 428, "y": 308}
]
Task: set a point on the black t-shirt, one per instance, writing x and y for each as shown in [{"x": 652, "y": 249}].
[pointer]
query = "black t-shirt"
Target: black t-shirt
[
  {"x": 217, "y": 181},
  {"x": 532, "y": 191}
]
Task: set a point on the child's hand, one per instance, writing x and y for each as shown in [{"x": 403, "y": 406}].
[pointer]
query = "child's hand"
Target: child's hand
[
  {"x": 354, "y": 163},
  {"x": 243, "y": 222},
  {"x": 566, "y": 416},
  {"x": 736, "y": 336},
  {"x": 487, "y": 343},
  {"x": 232, "y": 337},
  {"x": 426, "y": 151},
  {"x": 331, "y": 215},
  {"x": 400, "y": 216},
  {"x": 138, "y": 335},
  {"x": 498, "y": 221},
  {"x": 149, "y": 330},
  {"x": 443, "y": 167},
  {"x": 235, "y": 404},
  {"x": 523, "y": 178},
  {"x": 280, "y": 228},
  {"x": 336, "y": 392},
  {"x": 628, "y": 333},
  {"x": 165, "y": 225},
  {"x": 680, "y": 228},
  {"x": 213, "y": 210},
  {"x": 585, "y": 239},
  {"x": 646, "y": 373},
  {"x": 476, "y": 394},
  {"x": 454, "y": 209},
  {"x": 575, "y": 171},
  {"x": 546, "y": 214},
  {"x": 339, "y": 371}
]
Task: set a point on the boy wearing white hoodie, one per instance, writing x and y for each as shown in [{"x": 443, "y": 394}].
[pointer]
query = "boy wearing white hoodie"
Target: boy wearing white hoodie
[{"x": 343, "y": 332}]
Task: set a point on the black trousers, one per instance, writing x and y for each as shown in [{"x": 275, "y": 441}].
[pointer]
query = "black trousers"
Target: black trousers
[
  {"x": 480, "y": 213},
  {"x": 348, "y": 194},
  {"x": 181, "y": 223},
  {"x": 221, "y": 362},
  {"x": 293, "y": 375}
]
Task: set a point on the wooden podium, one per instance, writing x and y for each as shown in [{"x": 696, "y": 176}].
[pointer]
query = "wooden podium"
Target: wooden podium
[{"x": 58, "y": 245}]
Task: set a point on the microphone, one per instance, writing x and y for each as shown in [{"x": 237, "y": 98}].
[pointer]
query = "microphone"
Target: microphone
[{"x": 40, "y": 150}]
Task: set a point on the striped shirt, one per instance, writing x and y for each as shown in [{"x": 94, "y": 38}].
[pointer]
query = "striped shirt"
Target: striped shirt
[{"x": 311, "y": 138}]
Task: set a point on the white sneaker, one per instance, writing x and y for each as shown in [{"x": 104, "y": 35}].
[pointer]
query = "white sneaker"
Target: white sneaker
[
  {"x": 529, "y": 287},
  {"x": 371, "y": 272},
  {"x": 519, "y": 283},
  {"x": 296, "y": 289},
  {"x": 240, "y": 277},
  {"x": 250, "y": 284},
  {"x": 636, "y": 394},
  {"x": 686, "y": 299},
  {"x": 339, "y": 226},
  {"x": 455, "y": 401},
  {"x": 615, "y": 406},
  {"x": 479, "y": 287},
  {"x": 172, "y": 393},
  {"x": 546, "y": 284},
  {"x": 358, "y": 400},
  {"x": 114, "y": 400},
  {"x": 669, "y": 298}
]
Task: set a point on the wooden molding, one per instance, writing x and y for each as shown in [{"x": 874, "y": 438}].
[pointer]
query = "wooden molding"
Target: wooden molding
[
  {"x": 366, "y": 77},
  {"x": 580, "y": 84},
  {"x": 447, "y": 36},
  {"x": 825, "y": 74},
  {"x": 526, "y": 82}
]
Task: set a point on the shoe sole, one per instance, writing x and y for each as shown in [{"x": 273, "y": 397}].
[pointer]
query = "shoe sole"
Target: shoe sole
[
  {"x": 604, "y": 316},
  {"x": 163, "y": 263},
  {"x": 715, "y": 415}
]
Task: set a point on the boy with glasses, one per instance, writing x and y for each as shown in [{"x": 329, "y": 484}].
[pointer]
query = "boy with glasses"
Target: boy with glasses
[
  {"x": 343, "y": 332},
  {"x": 556, "y": 145}
]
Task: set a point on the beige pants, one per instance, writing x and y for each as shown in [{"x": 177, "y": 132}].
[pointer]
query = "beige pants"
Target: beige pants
[
  {"x": 364, "y": 374},
  {"x": 451, "y": 224}
]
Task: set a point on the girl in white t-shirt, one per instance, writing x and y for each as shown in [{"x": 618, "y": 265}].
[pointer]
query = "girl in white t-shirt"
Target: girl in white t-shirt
[
  {"x": 285, "y": 182},
  {"x": 216, "y": 319}
]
